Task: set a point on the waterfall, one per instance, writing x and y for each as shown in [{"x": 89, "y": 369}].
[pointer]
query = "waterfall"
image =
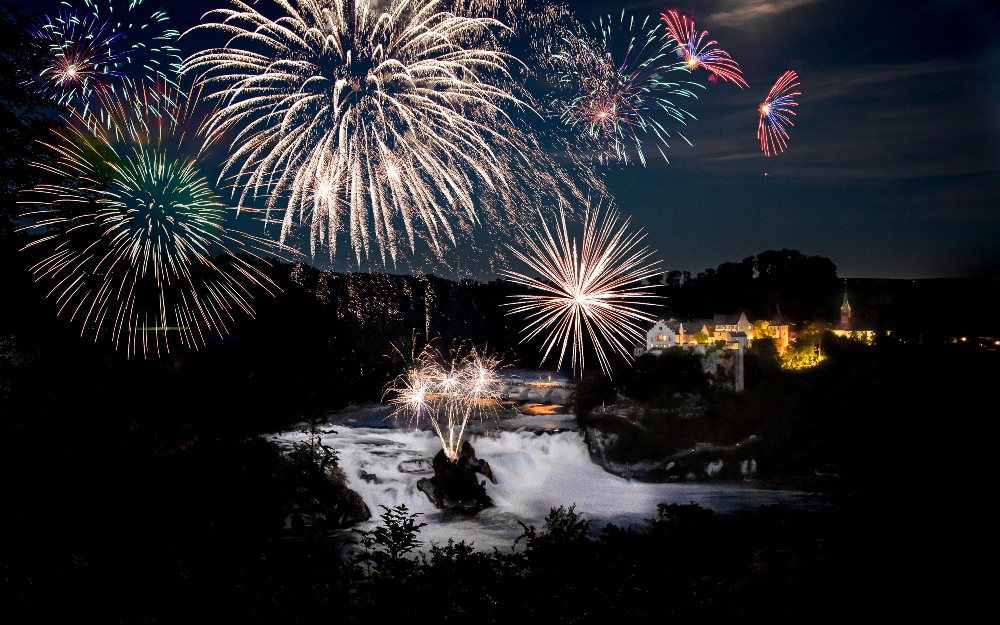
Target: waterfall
[{"x": 535, "y": 472}]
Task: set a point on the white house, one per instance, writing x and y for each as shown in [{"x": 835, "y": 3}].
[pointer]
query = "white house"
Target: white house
[
  {"x": 660, "y": 336},
  {"x": 669, "y": 333},
  {"x": 666, "y": 334}
]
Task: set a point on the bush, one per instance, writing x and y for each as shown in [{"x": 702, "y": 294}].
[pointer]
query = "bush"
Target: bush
[{"x": 386, "y": 545}]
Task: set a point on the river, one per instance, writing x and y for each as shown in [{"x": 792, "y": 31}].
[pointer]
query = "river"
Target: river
[{"x": 539, "y": 463}]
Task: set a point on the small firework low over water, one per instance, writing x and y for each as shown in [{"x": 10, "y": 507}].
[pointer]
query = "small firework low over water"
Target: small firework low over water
[
  {"x": 614, "y": 90},
  {"x": 80, "y": 57},
  {"x": 447, "y": 391},
  {"x": 775, "y": 112},
  {"x": 392, "y": 124},
  {"x": 130, "y": 234},
  {"x": 594, "y": 290},
  {"x": 697, "y": 52}
]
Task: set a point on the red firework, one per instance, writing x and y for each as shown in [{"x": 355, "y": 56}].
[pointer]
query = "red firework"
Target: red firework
[
  {"x": 697, "y": 52},
  {"x": 775, "y": 112}
]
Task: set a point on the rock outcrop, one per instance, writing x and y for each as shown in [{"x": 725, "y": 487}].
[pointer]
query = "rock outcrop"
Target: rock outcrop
[
  {"x": 456, "y": 485},
  {"x": 703, "y": 461}
]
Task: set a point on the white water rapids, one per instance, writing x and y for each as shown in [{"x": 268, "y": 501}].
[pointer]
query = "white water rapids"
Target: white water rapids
[{"x": 534, "y": 473}]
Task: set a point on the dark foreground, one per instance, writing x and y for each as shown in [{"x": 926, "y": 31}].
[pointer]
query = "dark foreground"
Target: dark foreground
[{"x": 172, "y": 511}]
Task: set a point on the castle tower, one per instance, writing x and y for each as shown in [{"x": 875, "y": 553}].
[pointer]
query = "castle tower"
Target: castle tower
[{"x": 779, "y": 330}]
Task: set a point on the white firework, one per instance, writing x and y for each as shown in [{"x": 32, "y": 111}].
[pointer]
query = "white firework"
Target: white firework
[
  {"x": 592, "y": 291},
  {"x": 447, "y": 391},
  {"x": 390, "y": 123}
]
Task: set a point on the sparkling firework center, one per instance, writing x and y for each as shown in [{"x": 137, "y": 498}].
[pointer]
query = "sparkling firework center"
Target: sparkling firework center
[
  {"x": 592, "y": 293},
  {"x": 133, "y": 241},
  {"x": 390, "y": 124}
]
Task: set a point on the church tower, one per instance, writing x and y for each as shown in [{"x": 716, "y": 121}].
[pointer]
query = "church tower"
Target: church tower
[{"x": 845, "y": 313}]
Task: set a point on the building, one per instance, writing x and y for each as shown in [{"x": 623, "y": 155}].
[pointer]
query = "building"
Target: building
[
  {"x": 727, "y": 324},
  {"x": 778, "y": 330},
  {"x": 845, "y": 314},
  {"x": 667, "y": 333},
  {"x": 660, "y": 336},
  {"x": 671, "y": 333},
  {"x": 850, "y": 328},
  {"x": 727, "y": 330}
]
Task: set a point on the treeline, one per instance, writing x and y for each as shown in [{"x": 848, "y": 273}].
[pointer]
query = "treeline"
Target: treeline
[
  {"x": 325, "y": 339},
  {"x": 809, "y": 294},
  {"x": 803, "y": 287}
]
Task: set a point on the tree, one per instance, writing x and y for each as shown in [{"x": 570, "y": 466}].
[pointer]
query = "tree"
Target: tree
[
  {"x": 801, "y": 285},
  {"x": 591, "y": 392},
  {"x": 26, "y": 115},
  {"x": 388, "y": 543},
  {"x": 658, "y": 379},
  {"x": 26, "y": 119}
]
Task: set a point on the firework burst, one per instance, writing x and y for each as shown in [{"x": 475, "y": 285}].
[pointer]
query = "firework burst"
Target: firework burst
[
  {"x": 696, "y": 52},
  {"x": 143, "y": 39},
  {"x": 80, "y": 55},
  {"x": 775, "y": 112},
  {"x": 390, "y": 124},
  {"x": 619, "y": 94},
  {"x": 593, "y": 290},
  {"x": 132, "y": 238},
  {"x": 448, "y": 390}
]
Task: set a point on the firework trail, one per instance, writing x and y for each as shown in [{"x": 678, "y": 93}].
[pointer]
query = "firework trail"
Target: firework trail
[
  {"x": 143, "y": 39},
  {"x": 772, "y": 129},
  {"x": 550, "y": 29},
  {"x": 447, "y": 391},
  {"x": 614, "y": 90},
  {"x": 696, "y": 52},
  {"x": 589, "y": 291},
  {"x": 80, "y": 57},
  {"x": 132, "y": 238},
  {"x": 390, "y": 126},
  {"x": 510, "y": 12}
]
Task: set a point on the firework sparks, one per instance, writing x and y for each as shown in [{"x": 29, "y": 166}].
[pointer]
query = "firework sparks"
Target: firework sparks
[
  {"x": 592, "y": 291},
  {"x": 80, "y": 57},
  {"x": 510, "y": 12},
  {"x": 619, "y": 92},
  {"x": 772, "y": 129},
  {"x": 551, "y": 27},
  {"x": 696, "y": 52},
  {"x": 132, "y": 236},
  {"x": 391, "y": 126},
  {"x": 143, "y": 39},
  {"x": 447, "y": 391}
]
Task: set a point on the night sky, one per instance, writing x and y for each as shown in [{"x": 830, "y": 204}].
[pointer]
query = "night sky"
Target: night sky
[{"x": 893, "y": 165}]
